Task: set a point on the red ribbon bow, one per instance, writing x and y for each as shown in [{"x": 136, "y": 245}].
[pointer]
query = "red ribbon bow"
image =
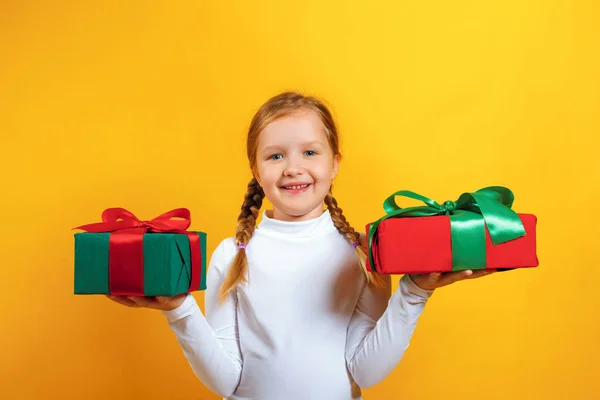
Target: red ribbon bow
[{"x": 126, "y": 250}]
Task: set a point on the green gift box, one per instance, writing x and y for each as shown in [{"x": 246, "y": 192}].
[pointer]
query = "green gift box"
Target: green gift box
[{"x": 125, "y": 256}]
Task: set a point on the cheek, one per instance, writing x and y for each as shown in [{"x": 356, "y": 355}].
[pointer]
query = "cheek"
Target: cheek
[
  {"x": 324, "y": 172},
  {"x": 268, "y": 173}
]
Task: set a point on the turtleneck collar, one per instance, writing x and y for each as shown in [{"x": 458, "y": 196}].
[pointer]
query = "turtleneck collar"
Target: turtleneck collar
[{"x": 315, "y": 226}]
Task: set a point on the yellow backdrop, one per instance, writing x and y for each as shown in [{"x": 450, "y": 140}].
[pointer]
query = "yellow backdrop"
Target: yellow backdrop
[{"x": 144, "y": 105}]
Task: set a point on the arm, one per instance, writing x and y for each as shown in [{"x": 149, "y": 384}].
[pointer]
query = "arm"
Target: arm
[
  {"x": 211, "y": 344},
  {"x": 381, "y": 328}
]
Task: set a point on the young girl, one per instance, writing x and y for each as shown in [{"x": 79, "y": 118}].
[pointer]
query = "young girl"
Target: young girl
[{"x": 291, "y": 310}]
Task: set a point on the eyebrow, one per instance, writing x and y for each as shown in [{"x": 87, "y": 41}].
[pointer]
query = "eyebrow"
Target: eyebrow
[{"x": 306, "y": 144}]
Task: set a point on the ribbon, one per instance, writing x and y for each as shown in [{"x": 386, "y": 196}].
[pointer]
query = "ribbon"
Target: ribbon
[
  {"x": 469, "y": 216},
  {"x": 126, "y": 253}
]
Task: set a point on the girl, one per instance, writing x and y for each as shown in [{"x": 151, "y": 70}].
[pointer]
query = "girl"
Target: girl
[{"x": 291, "y": 310}]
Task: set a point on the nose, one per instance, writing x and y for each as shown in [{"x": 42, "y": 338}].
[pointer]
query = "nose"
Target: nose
[{"x": 294, "y": 167}]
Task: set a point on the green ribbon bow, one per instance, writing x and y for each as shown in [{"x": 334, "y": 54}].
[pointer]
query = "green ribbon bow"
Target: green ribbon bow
[{"x": 469, "y": 215}]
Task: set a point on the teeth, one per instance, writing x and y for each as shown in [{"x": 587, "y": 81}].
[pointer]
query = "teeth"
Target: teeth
[{"x": 296, "y": 187}]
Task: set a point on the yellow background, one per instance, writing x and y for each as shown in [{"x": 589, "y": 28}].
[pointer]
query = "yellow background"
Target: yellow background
[{"x": 144, "y": 105}]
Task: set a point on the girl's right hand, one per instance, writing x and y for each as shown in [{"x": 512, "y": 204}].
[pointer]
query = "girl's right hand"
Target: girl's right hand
[{"x": 163, "y": 303}]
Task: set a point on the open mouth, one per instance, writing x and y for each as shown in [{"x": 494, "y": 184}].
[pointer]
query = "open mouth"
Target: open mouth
[{"x": 295, "y": 188}]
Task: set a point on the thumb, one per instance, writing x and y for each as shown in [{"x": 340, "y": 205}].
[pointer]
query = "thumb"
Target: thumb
[{"x": 434, "y": 277}]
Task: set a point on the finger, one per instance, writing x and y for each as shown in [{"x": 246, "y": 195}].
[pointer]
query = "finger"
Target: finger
[
  {"x": 480, "y": 273},
  {"x": 123, "y": 300},
  {"x": 169, "y": 299},
  {"x": 434, "y": 277},
  {"x": 452, "y": 277},
  {"x": 144, "y": 301},
  {"x": 468, "y": 274},
  {"x": 164, "y": 299}
]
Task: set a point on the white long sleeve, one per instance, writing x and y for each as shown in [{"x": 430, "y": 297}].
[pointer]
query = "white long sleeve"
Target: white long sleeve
[
  {"x": 380, "y": 330},
  {"x": 306, "y": 326},
  {"x": 211, "y": 345}
]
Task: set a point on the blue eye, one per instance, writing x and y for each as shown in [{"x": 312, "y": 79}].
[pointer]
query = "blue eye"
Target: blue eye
[
  {"x": 310, "y": 152},
  {"x": 274, "y": 156}
]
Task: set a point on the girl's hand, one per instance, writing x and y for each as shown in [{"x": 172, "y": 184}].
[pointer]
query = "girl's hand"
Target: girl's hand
[
  {"x": 164, "y": 303},
  {"x": 436, "y": 280}
]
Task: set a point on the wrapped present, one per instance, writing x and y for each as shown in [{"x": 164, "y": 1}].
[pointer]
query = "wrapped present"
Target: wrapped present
[
  {"x": 478, "y": 231},
  {"x": 125, "y": 256}
]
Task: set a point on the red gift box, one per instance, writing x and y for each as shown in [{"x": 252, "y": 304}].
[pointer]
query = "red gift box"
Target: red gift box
[
  {"x": 423, "y": 244},
  {"x": 421, "y": 239}
]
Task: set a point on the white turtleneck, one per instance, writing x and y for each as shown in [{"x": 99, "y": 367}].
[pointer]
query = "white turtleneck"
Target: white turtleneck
[{"x": 305, "y": 326}]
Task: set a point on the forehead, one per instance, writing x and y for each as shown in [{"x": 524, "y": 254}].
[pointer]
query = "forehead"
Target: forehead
[{"x": 299, "y": 127}]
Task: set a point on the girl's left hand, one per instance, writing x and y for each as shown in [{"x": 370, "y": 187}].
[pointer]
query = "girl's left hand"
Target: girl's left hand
[{"x": 436, "y": 280}]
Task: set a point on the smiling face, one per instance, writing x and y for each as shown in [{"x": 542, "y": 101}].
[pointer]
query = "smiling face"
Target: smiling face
[{"x": 295, "y": 165}]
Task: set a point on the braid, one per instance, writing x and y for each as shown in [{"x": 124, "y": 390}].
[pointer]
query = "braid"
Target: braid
[
  {"x": 339, "y": 220},
  {"x": 245, "y": 227},
  {"x": 343, "y": 227},
  {"x": 249, "y": 213}
]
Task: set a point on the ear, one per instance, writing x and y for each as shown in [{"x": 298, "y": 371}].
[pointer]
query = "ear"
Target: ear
[{"x": 336, "y": 166}]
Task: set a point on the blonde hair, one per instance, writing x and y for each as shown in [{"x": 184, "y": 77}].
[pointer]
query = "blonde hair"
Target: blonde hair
[{"x": 278, "y": 106}]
